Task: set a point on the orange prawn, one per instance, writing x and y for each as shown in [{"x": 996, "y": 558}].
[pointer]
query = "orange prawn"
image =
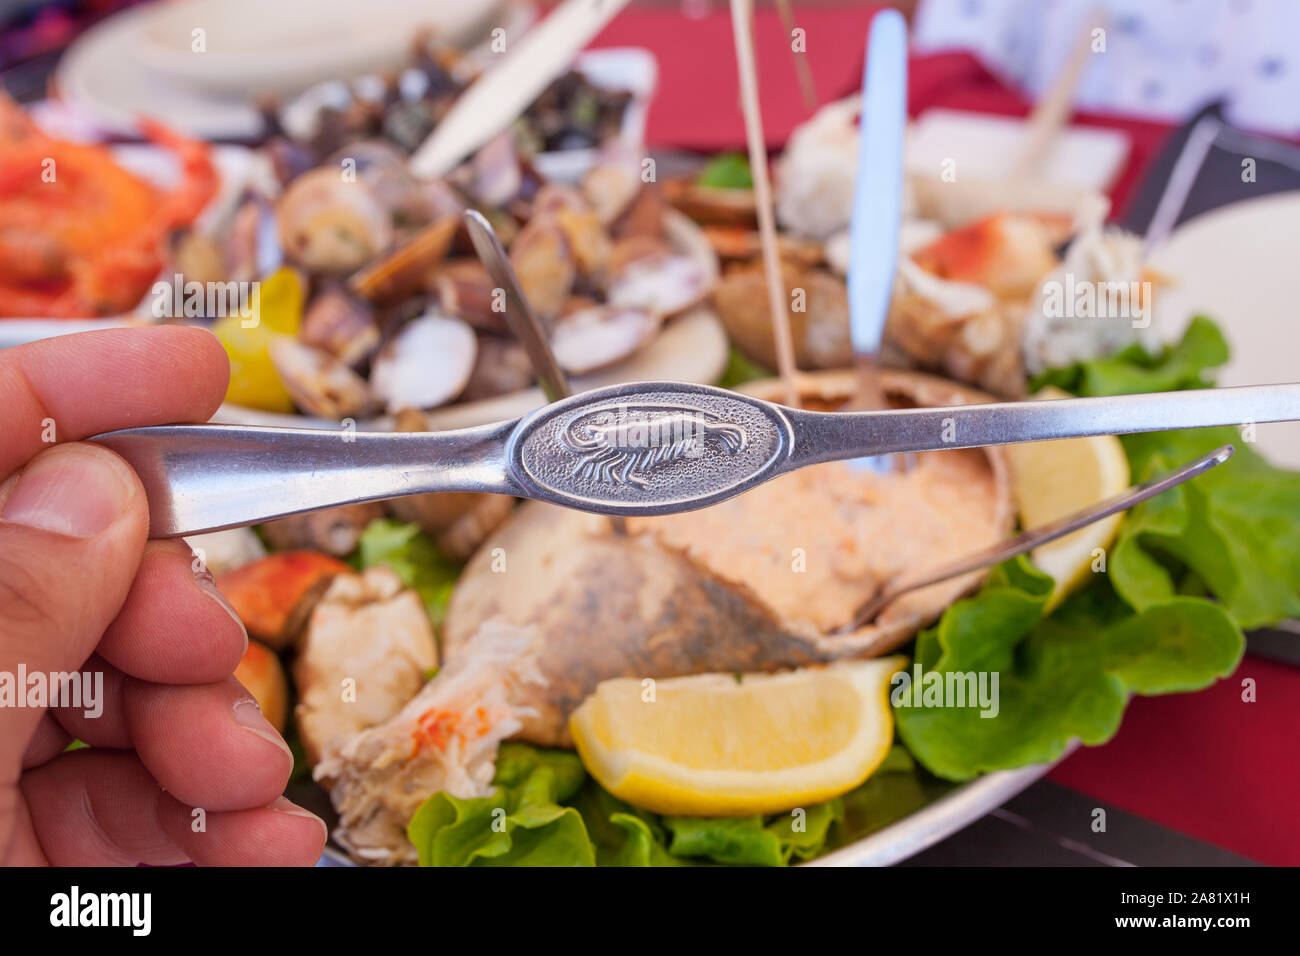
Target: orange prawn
[{"x": 79, "y": 235}]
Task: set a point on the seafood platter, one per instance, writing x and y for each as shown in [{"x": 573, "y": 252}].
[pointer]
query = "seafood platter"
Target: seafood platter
[{"x": 468, "y": 679}]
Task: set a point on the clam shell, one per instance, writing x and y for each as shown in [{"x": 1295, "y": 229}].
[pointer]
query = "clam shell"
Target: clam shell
[
  {"x": 427, "y": 364},
  {"x": 598, "y": 336}
]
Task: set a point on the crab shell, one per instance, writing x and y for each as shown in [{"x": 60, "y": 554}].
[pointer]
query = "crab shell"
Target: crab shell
[{"x": 612, "y": 605}]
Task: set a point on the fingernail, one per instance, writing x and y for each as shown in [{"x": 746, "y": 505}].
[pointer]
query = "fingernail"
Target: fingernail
[
  {"x": 74, "y": 490},
  {"x": 209, "y": 587},
  {"x": 285, "y": 805},
  {"x": 249, "y": 716}
]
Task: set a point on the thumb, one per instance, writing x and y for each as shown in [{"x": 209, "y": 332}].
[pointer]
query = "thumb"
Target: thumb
[{"x": 73, "y": 525}]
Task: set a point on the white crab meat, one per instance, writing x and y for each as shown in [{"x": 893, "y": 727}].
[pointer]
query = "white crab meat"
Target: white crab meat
[
  {"x": 445, "y": 739},
  {"x": 367, "y": 649},
  {"x": 1107, "y": 264},
  {"x": 426, "y": 365},
  {"x": 953, "y": 299},
  {"x": 221, "y": 551},
  {"x": 913, "y": 234},
  {"x": 817, "y": 172}
]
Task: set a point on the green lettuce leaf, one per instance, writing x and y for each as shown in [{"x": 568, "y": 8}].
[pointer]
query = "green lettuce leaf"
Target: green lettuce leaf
[
  {"x": 623, "y": 835},
  {"x": 726, "y": 171},
  {"x": 1065, "y": 676},
  {"x": 894, "y": 791},
  {"x": 740, "y": 370},
  {"x": 522, "y": 823},
  {"x": 1184, "y": 365},
  {"x": 545, "y": 811},
  {"x": 740, "y": 841},
  {"x": 1187, "y": 571},
  {"x": 412, "y": 556},
  {"x": 802, "y": 836},
  {"x": 1230, "y": 533}
]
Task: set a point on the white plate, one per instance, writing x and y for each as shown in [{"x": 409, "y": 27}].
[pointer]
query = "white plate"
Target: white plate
[
  {"x": 979, "y": 144},
  {"x": 103, "y": 76},
  {"x": 1237, "y": 265},
  {"x": 253, "y": 47}
]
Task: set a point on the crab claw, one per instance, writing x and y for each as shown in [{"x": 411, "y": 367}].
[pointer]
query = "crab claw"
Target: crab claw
[
  {"x": 273, "y": 595},
  {"x": 263, "y": 676}
]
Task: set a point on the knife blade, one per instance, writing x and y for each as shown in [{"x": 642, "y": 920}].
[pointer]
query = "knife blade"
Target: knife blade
[
  {"x": 505, "y": 90},
  {"x": 878, "y": 187}
]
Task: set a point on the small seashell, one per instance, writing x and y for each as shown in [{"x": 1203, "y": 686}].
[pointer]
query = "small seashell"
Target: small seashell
[
  {"x": 427, "y": 364},
  {"x": 599, "y": 336},
  {"x": 663, "y": 285},
  {"x": 318, "y": 382}
]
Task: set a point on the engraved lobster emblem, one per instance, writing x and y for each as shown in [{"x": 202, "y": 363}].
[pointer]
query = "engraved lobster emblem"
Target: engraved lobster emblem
[{"x": 620, "y": 445}]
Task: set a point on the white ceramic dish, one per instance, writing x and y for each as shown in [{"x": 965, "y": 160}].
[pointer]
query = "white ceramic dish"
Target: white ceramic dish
[
  {"x": 1237, "y": 265},
  {"x": 251, "y": 47},
  {"x": 102, "y": 75},
  {"x": 978, "y": 144}
]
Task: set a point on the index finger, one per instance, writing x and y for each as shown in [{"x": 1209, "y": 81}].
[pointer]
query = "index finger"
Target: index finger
[{"x": 73, "y": 386}]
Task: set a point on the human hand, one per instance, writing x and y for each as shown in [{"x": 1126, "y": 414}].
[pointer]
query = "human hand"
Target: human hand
[{"x": 181, "y": 765}]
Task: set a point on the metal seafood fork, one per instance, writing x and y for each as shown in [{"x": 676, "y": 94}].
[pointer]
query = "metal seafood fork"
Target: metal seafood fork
[
  {"x": 645, "y": 448},
  {"x": 1033, "y": 537}
]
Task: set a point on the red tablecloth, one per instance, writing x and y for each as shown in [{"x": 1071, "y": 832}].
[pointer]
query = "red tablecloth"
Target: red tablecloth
[
  {"x": 1207, "y": 764},
  {"x": 697, "y": 106}
]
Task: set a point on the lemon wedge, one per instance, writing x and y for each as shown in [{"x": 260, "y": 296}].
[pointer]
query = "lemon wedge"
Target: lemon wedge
[
  {"x": 1053, "y": 479},
  {"x": 277, "y": 305},
  {"x": 728, "y": 745}
]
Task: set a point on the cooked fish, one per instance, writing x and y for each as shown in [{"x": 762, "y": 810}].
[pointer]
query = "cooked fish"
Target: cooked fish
[{"x": 757, "y": 583}]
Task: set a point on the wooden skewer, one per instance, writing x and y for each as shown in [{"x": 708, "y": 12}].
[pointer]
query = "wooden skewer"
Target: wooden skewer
[
  {"x": 742, "y": 28},
  {"x": 1054, "y": 108},
  {"x": 801, "y": 68}
]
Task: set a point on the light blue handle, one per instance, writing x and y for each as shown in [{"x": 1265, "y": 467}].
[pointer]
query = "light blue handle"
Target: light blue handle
[{"x": 878, "y": 189}]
